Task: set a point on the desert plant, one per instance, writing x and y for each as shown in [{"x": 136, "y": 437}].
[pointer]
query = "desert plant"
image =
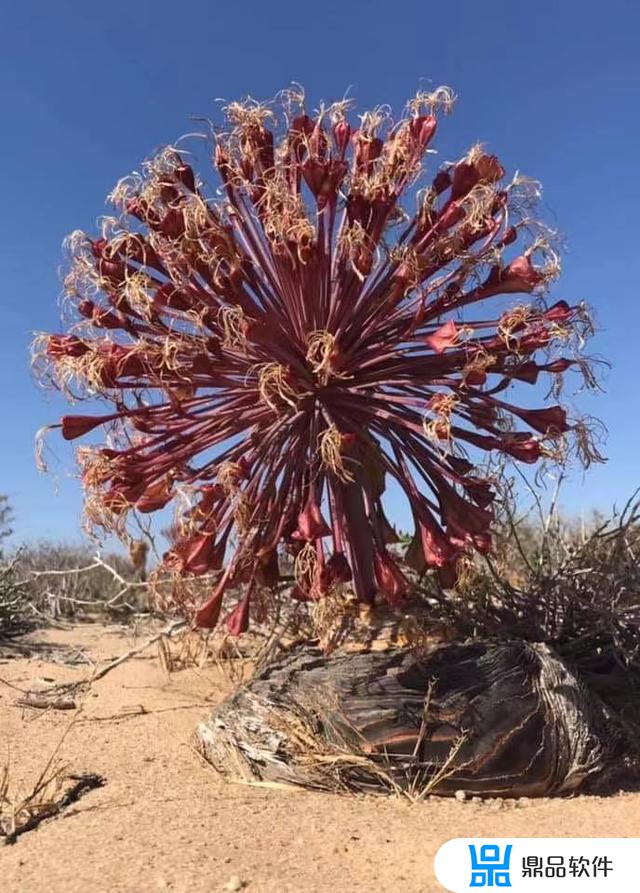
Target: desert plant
[
  {"x": 6, "y": 517},
  {"x": 572, "y": 584},
  {"x": 538, "y": 693},
  {"x": 15, "y": 612},
  {"x": 14, "y": 608},
  {"x": 66, "y": 580},
  {"x": 271, "y": 354}
]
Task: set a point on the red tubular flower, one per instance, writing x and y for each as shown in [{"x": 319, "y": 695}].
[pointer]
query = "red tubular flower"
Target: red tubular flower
[
  {"x": 519, "y": 276},
  {"x": 444, "y": 337},
  {"x": 423, "y": 129},
  {"x": 284, "y": 351},
  {"x": 341, "y": 135},
  {"x": 202, "y": 555},
  {"x": 391, "y": 581},
  {"x": 78, "y": 425},
  {"x": 560, "y": 312},
  {"x": 238, "y": 620},
  {"x": 547, "y": 421},
  {"x": 155, "y": 497},
  {"x": 437, "y": 550},
  {"x": 311, "y": 524},
  {"x": 208, "y": 614},
  {"x": 60, "y": 347},
  {"x": 526, "y": 449}
]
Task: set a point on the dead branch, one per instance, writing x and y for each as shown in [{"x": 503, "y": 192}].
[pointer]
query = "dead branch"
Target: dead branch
[
  {"x": 81, "y": 786},
  {"x": 44, "y": 701},
  {"x": 170, "y": 630}
]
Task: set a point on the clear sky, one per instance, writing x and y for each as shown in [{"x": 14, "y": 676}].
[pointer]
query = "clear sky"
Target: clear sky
[{"x": 89, "y": 89}]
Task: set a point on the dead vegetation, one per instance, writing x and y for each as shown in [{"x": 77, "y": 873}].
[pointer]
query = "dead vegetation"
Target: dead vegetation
[
  {"x": 66, "y": 582},
  {"x": 572, "y": 588},
  {"x": 49, "y": 584},
  {"x": 48, "y": 799},
  {"x": 15, "y": 613},
  {"x": 415, "y": 723},
  {"x": 54, "y": 789},
  {"x": 558, "y": 595}
]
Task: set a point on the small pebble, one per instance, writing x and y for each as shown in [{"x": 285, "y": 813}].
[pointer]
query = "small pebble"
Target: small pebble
[
  {"x": 476, "y": 799},
  {"x": 523, "y": 802},
  {"x": 460, "y": 796},
  {"x": 234, "y": 883}
]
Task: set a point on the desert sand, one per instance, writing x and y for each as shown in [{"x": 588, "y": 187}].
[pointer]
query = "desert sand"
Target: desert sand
[{"x": 165, "y": 821}]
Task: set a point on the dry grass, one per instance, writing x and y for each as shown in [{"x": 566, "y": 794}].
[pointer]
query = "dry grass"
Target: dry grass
[{"x": 54, "y": 789}]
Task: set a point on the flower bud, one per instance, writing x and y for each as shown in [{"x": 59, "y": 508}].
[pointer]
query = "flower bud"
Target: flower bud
[
  {"x": 341, "y": 135},
  {"x": 422, "y": 129},
  {"x": 465, "y": 176}
]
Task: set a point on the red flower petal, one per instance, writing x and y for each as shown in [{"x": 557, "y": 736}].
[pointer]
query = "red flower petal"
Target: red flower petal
[{"x": 444, "y": 337}]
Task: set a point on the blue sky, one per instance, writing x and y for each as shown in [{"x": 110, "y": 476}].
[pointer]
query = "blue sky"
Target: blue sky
[{"x": 88, "y": 90}]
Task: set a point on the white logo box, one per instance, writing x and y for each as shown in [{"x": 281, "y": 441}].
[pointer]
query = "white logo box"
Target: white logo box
[{"x": 540, "y": 864}]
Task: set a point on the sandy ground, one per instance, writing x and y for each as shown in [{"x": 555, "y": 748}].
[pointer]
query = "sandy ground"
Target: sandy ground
[{"x": 165, "y": 821}]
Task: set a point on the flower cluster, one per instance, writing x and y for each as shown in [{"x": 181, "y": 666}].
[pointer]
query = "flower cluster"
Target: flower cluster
[{"x": 276, "y": 352}]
